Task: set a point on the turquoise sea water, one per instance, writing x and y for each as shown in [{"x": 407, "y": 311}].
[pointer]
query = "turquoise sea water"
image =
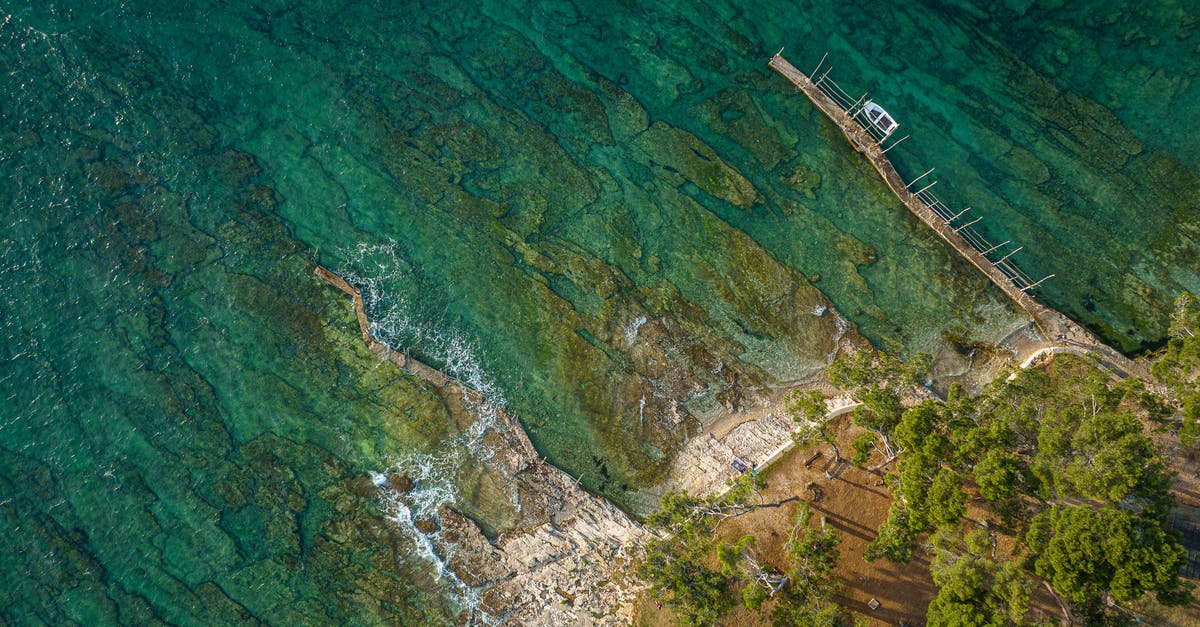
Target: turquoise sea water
[{"x": 609, "y": 217}]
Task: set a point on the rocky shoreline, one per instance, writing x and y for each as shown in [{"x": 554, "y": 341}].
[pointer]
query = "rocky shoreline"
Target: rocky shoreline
[{"x": 570, "y": 559}]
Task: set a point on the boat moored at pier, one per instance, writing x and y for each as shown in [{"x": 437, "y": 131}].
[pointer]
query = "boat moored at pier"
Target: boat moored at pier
[{"x": 880, "y": 118}]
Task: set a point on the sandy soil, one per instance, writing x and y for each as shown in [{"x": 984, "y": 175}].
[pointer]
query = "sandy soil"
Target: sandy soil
[
  {"x": 854, "y": 504},
  {"x": 766, "y": 404}
]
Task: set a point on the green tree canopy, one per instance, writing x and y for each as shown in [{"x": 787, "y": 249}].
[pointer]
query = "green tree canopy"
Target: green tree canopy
[
  {"x": 809, "y": 599},
  {"x": 807, "y": 407},
  {"x": 1088, "y": 552},
  {"x": 1062, "y": 454},
  {"x": 1179, "y": 367},
  {"x": 678, "y": 565},
  {"x": 973, "y": 589},
  {"x": 878, "y": 381}
]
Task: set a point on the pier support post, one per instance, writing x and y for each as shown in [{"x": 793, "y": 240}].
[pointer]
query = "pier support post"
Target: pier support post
[
  {"x": 917, "y": 193},
  {"x": 1043, "y": 280},
  {"x": 927, "y": 173},
  {"x": 893, "y": 144},
  {"x": 968, "y": 224},
  {"x": 1004, "y": 258},
  {"x": 986, "y": 252}
]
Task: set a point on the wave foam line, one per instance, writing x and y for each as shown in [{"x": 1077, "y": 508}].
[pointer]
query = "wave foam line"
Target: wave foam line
[{"x": 432, "y": 472}]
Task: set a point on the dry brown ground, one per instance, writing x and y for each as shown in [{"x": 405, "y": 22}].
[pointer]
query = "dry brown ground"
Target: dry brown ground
[{"x": 853, "y": 504}]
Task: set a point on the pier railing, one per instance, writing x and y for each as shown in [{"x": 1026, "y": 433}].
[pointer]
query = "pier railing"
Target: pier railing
[
  {"x": 993, "y": 260},
  {"x": 963, "y": 222}
]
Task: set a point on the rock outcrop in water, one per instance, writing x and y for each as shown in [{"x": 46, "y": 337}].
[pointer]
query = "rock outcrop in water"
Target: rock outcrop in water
[
  {"x": 571, "y": 560},
  {"x": 568, "y": 559}
]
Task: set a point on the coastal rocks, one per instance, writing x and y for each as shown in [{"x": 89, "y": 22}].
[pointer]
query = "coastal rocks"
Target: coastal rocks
[
  {"x": 568, "y": 561},
  {"x": 804, "y": 181},
  {"x": 564, "y": 571},
  {"x": 688, "y": 158},
  {"x": 705, "y": 465},
  {"x": 427, "y": 525},
  {"x": 734, "y": 114},
  {"x": 564, "y": 561},
  {"x": 400, "y": 483}
]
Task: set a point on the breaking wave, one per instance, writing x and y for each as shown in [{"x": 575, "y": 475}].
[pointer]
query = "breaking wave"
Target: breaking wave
[{"x": 396, "y": 322}]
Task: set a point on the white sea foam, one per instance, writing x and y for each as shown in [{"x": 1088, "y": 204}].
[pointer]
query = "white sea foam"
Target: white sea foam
[
  {"x": 842, "y": 327},
  {"x": 401, "y": 513},
  {"x": 396, "y": 322},
  {"x": 631, "y": 329}
]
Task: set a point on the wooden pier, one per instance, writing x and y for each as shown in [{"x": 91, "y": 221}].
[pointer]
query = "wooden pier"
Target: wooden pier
[{"x": 1056, "y": 327}]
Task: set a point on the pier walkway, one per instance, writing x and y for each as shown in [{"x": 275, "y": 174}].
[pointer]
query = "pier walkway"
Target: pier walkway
[{"x": 1056, "y": 327}]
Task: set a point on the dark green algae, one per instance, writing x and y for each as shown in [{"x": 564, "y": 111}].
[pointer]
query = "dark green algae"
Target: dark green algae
[
  {"x": 574, "y": 208},
  {"x": 1063, "y": 125},
  {"x": 197, "y": 451}
]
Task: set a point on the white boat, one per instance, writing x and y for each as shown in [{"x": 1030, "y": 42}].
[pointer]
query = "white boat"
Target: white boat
[{"x": 879, "y": 118}]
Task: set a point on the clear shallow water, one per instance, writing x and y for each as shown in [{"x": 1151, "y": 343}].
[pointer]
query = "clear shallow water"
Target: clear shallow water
[{"x": 603, "y": 218}]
